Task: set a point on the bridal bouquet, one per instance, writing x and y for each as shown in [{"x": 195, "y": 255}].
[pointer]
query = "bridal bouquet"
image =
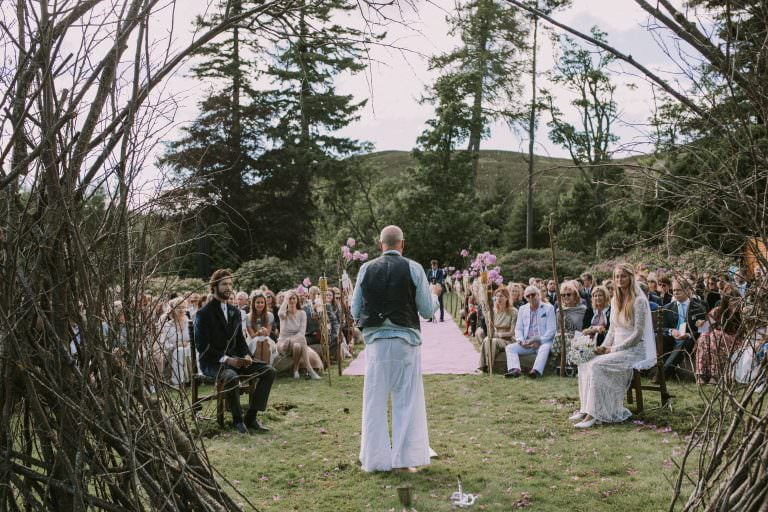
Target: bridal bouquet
[{"x": 581, "y": 349}]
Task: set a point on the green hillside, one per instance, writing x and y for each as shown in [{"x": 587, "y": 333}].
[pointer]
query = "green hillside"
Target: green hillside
[{"x": 501, "y": 172}]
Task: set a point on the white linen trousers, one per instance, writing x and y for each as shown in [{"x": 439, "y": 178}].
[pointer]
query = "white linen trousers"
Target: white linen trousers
[{"x": 393, "y": 367}]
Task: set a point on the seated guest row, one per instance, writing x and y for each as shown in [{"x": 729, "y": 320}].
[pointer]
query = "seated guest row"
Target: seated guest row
[{"x": 690, "y": 322}]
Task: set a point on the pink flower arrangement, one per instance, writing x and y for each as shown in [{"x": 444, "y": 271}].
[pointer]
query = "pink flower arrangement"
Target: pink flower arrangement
[
  {"x": 301, "y": 289},
  {"x": 464, "y": 253},
  {"x": 306, "y": 282},
  {"x": 348, "y": 255}
]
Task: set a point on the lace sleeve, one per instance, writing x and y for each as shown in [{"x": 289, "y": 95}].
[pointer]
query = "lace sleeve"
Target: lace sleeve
[
  {"x": 609, "y": 336},
  {"x": 641, "y": 309}
]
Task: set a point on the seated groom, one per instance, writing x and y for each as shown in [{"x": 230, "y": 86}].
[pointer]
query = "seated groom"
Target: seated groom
[
  {"x": 223, "y": 353},
  {"x": 534, "y": 331}
]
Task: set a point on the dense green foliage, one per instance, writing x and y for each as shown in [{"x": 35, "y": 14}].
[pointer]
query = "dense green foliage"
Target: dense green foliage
[
  {"x": 267, "y": 176},
  {"x": 519, "y": 265},
  {"x": 252, "y": 157}
]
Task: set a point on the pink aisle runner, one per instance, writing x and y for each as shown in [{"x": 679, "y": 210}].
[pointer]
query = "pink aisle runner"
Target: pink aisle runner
[{"x": 444, "y": 350}]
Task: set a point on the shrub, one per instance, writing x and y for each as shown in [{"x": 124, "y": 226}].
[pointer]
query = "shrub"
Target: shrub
[
  {"x": 163, "y": 286},
  {"x": 277, "y": 274},
  {"x": 698, "y": 260},
  {"x": 520, "y": 265}
]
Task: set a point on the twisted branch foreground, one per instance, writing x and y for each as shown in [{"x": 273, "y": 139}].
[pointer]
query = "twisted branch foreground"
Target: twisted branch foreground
[{"x": 82, "y": 107}]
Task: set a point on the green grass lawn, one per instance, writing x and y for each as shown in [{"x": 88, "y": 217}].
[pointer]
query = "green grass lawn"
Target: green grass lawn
[{"x": 510, "y": 441}]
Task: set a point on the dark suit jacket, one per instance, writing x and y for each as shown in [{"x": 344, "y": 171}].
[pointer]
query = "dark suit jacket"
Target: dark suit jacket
[
  {"x": 216, "y": 336},
  {"x": 436, "y": 276},
  {"x": 697, "y": 310}
]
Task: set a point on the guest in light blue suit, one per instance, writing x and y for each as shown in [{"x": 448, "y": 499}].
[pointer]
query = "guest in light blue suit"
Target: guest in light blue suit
[{"x": 534, "y": 331}]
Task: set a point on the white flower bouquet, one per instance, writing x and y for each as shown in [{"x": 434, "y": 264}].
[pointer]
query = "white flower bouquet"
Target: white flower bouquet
[
  {"x": 581, "y": 349},
  {"x": 555, "y": 349}
]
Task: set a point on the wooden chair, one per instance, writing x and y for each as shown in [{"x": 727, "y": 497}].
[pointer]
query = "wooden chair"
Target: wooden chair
[
  {"x": 637, "y": 386},
  {"x": 198, "y": 379}
]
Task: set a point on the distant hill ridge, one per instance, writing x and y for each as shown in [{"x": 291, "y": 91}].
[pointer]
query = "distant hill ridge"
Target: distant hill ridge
[{"x": 500, "y": 172}]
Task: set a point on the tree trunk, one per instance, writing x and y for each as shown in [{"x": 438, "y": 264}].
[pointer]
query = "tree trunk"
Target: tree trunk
[
  {"x": 531, "y": 139},
  {"x": 476, "y": 124},
  {"x": 236, "y": 131},
  {"x": 306, "y": 89}
]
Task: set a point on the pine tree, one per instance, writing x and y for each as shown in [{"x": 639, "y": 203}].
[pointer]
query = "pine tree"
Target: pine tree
[
  {"x": 306, "y": 110},
  {"x": 478, "y": 82},
  {"x": 216, "y": 155},
  {"x": 485, "y": 69},
  {"x": 439, "y": 224},
  {"x": 252, "y": 155}
]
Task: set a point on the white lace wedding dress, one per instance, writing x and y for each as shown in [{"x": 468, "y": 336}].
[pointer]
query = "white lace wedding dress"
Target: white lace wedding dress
[{"x": 604, "y": 380}]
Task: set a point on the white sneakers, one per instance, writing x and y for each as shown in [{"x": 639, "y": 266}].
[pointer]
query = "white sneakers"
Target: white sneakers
[
  {"x": 579, "y": 416},
  {"x": 586, "y": 424}
]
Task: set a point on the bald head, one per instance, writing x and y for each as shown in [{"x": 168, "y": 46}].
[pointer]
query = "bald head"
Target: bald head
[{"x": 391, "y": 237}]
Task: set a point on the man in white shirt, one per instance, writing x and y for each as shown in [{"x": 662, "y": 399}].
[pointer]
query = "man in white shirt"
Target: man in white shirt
[
  {"x": 390, "y": 294},
  {"x": 534, "y": 331}
]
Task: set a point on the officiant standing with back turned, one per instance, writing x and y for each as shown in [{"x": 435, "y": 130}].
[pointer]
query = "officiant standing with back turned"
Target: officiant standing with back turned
[{"x": 390, "y": 294}]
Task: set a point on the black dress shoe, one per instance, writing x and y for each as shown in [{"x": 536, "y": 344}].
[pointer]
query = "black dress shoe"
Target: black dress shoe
[
  {"x": 240, "y": 427},
  {"x": 256, "y": 425},
  {"x": 534, "y": 374},
  {"x": 512, "y": 374}
]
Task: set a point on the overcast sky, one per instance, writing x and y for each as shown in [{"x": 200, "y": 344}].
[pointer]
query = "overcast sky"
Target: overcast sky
[{"x": 393, "y": 117}]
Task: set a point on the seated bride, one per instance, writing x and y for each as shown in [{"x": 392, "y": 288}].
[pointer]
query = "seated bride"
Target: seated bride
[{"x": 629, "y": 344}]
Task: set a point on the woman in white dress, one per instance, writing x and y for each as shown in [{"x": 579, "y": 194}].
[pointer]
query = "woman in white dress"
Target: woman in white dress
[
  {"x": 629, "y": 345},
  {"x": 174, "y": 334}
]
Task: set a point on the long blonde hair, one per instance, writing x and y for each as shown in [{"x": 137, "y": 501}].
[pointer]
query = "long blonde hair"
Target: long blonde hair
[{"x": 623, "y": 302}]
